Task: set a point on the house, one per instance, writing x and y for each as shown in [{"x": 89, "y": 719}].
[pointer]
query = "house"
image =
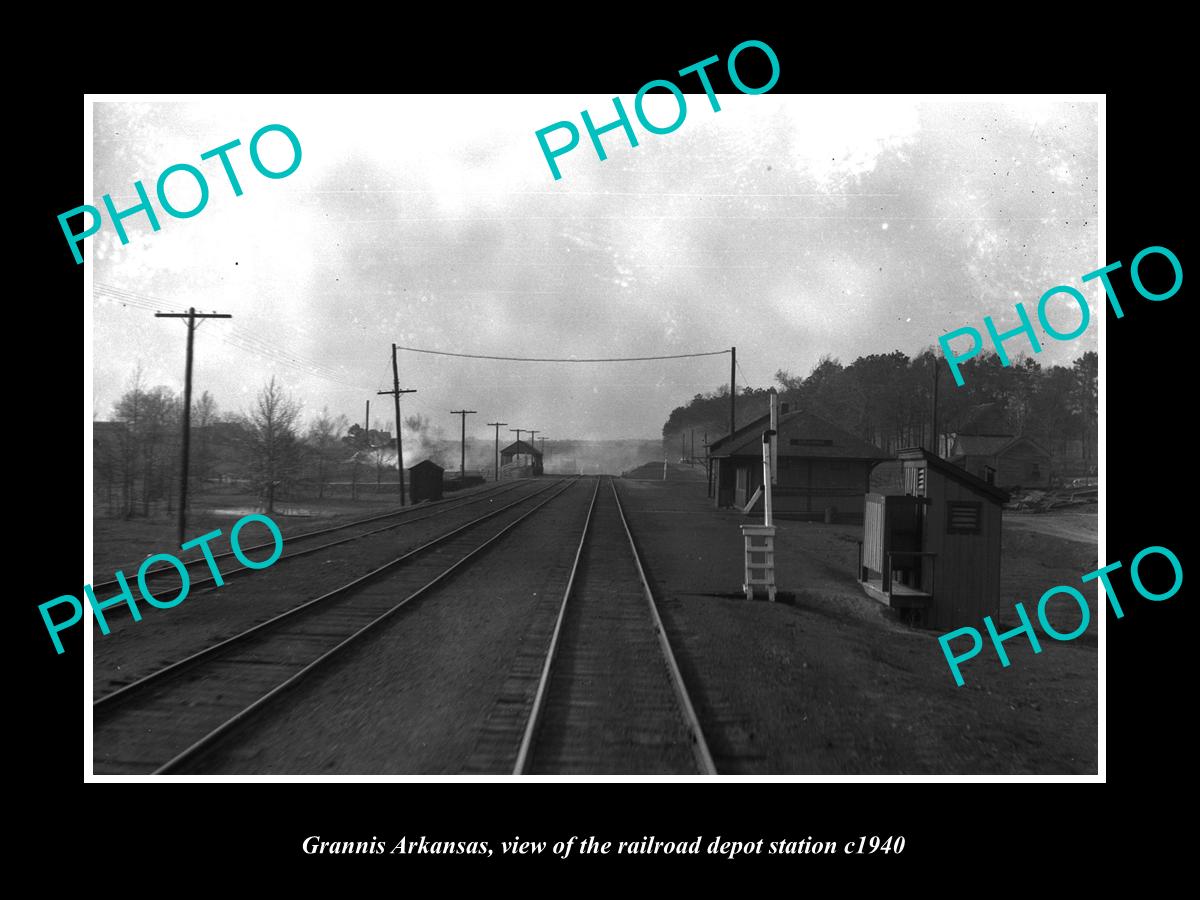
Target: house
[
  {"x": 933, "y": 552},
  {"x": 823, "y": 471},
  {"x": 1003, "y": 460},
  {"x": 988, "y": 445}
]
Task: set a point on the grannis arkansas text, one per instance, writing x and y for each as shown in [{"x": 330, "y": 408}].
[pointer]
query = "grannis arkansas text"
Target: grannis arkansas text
[{"x": 314, "y": 844}]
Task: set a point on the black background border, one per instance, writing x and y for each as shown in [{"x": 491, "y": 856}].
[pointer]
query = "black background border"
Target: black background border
[{"x": 1147, "y": 454}]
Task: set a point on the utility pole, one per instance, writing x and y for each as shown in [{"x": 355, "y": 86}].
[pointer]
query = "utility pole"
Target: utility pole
[
  {"x": 518, "y": 431},
  {"x": 531, "y": 446},
  {"x": 396, "y": 392},
  {"x": 692, "y": 458},
  {"x": 191, "y": 315},
  {"x": 937, "y": 444},
  {"x": 463, "y": 459},
  {"x": 732, "y": 387},
  {"x": 497, "y": 424}
]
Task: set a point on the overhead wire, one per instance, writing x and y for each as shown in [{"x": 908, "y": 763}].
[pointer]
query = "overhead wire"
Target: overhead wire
[
  {"x": 569, "y": 359},
  {"x": 745, "y": 380},
  {"x": 236, "y": 336}
]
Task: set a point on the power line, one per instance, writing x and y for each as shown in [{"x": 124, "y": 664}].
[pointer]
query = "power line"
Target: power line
[
  {"x": 745, "y": 380},
  {"x": 238, "y": 338},
  {"x": 560, "y": 359}
]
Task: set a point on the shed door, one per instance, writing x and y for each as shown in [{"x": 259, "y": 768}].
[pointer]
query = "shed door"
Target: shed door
[{"x": 873, "y": 533}]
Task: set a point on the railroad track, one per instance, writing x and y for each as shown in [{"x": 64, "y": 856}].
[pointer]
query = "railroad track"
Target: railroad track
[
  {"x": 609, "y": 696},
  {"x": 167, "y": 721},
  {"x": 163, "y": 574}
]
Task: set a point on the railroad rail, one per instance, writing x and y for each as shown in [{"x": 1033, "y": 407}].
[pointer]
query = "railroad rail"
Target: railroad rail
[
  {"x": 170, "y": 719},
  {"x": 458, "y": 503},
  {"x": 610, "y": 697}
]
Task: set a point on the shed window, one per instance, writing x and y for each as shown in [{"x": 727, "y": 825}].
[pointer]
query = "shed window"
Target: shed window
[{"x": 962, "y": 516}]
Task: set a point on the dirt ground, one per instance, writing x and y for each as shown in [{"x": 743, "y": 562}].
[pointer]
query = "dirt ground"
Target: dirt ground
[
  {"x": 1075, "y": 524},
  {"x": 828, "y": 683},
  {"x": 123, "y": 543},
  {"x": 413, "y": 697},
  {"x": 133, "y": 649},
  {"x": 833, "y": 683}
]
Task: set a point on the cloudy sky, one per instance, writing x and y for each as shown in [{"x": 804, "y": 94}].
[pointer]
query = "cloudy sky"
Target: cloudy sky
[{"x": 789, "y": 226}]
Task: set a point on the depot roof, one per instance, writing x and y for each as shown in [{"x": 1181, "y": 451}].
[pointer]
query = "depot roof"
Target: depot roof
[{"x": 801, "y": 434}]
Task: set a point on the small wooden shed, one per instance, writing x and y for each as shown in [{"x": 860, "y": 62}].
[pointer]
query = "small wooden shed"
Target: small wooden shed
[
  {"x": 1003, "y": 460},
  {"x": 526, "y": 457},
  {"x": 934, "y": 551},
  {"x": 425, "y": 481}
]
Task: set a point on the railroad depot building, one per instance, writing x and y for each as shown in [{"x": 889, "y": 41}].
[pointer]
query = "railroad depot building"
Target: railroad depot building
[
  {"x": 933, "y": 551},
  {"x": 824, "y": 472},
  {"x": 520, "y": 459}
]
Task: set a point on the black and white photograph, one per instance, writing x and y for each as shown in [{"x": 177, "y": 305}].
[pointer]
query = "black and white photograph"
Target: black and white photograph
[{"x": 707, "y": 431}]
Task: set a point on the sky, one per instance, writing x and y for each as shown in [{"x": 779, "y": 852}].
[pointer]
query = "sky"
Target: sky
[{"x": 788, "y": 226}]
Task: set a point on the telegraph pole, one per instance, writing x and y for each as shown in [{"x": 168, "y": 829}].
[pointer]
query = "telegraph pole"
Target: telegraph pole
[
  {"x": 732, "y": 387},
  {"x": 532, "y": 446},
  {"x": 191, "y": 315},
  {"x": 937, "y": 444},
  {"x": 518, "y": 431},
  {"x": 463, "y": 459},
  {"x": 497, "y": 424},
  {"x": 396, "y": 392}
]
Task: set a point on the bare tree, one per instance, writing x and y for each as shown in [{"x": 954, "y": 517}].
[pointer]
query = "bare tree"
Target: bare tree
[
  {"x": 128, "y": 414},
  {"x": 325, "y": 445},
  {"x": 204, "y": 417},
  {"x": 382, "y": 452},
  {"x": 147, "y": 442},
  {"x": 106, "y": 461},
  {"x": 272, "y": 442}
]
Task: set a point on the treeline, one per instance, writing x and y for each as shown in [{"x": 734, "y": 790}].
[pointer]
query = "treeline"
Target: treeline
[
  {"x": 265, "y": 450},
  {"x": 887, "y": 399}
]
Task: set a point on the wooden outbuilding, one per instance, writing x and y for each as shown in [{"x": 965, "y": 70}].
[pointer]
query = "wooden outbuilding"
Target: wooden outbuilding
[
  {"x": 823, "y": 470},
  {"x": 520, "y": 458},
  {"x": 934, "y": 551},
  {"x": 425, "y": 481},
  {"x": 1003, "y": 460}
]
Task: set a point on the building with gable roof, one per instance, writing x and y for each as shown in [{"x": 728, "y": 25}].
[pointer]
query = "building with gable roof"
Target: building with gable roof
[{"x": 824, "y": 472}]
